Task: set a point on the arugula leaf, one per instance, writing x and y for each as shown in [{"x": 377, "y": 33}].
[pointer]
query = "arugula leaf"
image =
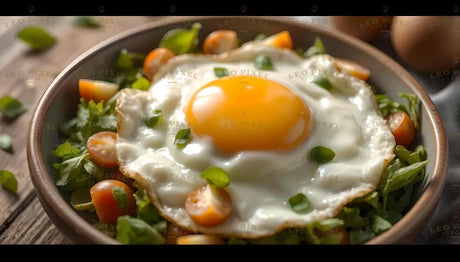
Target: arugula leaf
[
  {"x": 11, "y": 107},
  {"x": 414, "y": 104},
  {"x": 181, "y": 40},
  {"x": 216, "y": 176},
  {"x": 36, "y": 37},
  {"x": 136, "y": 231},
  {"x": 8, "y": 181},
  {"x": 361, "y": 235},
  {"x": 379, "y": 224},
  {"x": 6, "y": 143},
  {"x": 388, "y": 106}
]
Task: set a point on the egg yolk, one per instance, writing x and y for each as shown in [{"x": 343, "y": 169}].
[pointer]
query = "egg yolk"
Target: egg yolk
[{"x": 248, "y": 113}]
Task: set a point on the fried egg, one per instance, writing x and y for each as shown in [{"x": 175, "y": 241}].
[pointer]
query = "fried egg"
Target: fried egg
[{"x": 259, "y": 126}]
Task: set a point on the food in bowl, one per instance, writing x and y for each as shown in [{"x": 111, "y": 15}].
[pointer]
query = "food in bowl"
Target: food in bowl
[{"x": 254, "y": 143}]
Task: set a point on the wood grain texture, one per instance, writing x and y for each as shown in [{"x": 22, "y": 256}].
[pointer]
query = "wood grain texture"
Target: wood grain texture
[{"x": 25, "y": 75}]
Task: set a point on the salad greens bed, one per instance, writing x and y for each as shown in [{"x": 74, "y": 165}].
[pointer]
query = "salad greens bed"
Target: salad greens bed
[{"x": 361, "y": 220}]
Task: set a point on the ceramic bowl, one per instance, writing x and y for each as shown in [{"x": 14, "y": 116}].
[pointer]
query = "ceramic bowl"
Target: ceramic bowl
[{"x": 59, "y": 102}]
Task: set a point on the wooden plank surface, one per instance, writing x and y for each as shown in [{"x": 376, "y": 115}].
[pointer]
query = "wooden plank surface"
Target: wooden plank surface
[{"x": 25, "y": 75}]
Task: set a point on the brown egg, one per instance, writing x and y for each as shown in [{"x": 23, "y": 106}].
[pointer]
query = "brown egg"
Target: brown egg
[
  {"x": 427, "y": 44},
  {"x": 367, "y": 28}
]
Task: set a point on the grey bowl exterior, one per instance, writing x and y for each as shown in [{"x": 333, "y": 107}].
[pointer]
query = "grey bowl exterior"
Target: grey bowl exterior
[{"x": 59, "y": 102}]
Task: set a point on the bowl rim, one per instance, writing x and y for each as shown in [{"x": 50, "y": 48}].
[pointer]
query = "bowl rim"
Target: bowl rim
[{"x": 71, "y": 224}]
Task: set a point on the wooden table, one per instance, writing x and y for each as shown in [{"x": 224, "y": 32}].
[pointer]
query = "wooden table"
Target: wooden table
[{"x": 26, "y": 75}]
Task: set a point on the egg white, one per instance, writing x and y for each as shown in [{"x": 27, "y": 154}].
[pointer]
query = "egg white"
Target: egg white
[{"x": 345, "y": 118}]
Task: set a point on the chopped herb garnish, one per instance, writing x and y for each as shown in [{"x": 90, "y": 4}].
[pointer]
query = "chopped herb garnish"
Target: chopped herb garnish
[
  {"x": 136, "y": 231},
  {"x": 183, "y": 137},
  {"x": 216, "y": 176},
  {"x": 141, "y": 83},
  {"x": 321, "y": 154},
  {"x": 37, "y": 37},
  {"x": 221, "y": 71},
  {"x": 316, "y": 49},
  {"x": 263, "y": 62},
  {"x": 8, "y": 181},
  {"x": 6, "y": 143},
  {"x": 152, "y": 120},
  {"x": 323, "y": 82},
  {"x": 119, "y": 194},
  {"x": 11, "y": 107},
  {"x": 66, "y": 151},
  {"x": 86, "y": 21},
  {"x": 299, "y": 202}
]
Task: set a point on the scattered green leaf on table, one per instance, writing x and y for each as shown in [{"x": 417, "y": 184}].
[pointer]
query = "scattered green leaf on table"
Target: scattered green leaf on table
[
  {"x": 11, "y": 107},
  {"x": 6, "y": 143},
  {"x": 8, "y": 181},
  {"x": 37, "y": 37}
]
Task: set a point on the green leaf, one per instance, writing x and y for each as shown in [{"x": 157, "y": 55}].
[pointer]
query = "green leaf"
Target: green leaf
[
  {"x": 66, "y": 151},
  {"x": 221, "y": 71},
  {"x": 11, "y": 107},
  {"x": 316, "y": 49},
  {"x": 352, "y": 217},
  {"x": 379, "y": 224},
  {"x": 141, "y": 83},
  {"x": 403, "y": 176},
  {"x": 181, "y": 40},
  {"x": 413, "y": 111},
  {"x": 95, "y": 117},
  {"x": 71, "y": 174},
  {"x": 136, "y": 231},
  {"x": 6, "y": 143},
  {"x": 86, "y": 21},
  {"x": 119, "y": 194},
  {"x": 129, "y": 61},
  {"x": 321, "y": 154},
  {"x": 361, "y": 235},
  {"x": 145, "y": 210},
  {"x": 8, "y": 181},
  {"x": 216, "y": 176},
  {"x": 263, "y": 62},
  {"x": 37, "y": 37},
  {"x": 322, "y": 82},
  {"x": 183, "y": 137},
  {"x": 299, "y": 203},
  {"x": 152, "y": 120}
]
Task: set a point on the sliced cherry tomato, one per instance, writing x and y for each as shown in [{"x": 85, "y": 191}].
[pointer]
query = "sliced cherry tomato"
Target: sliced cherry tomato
[
  {"x": 209, "y": 205},
  {"x": 402, "y": 128},
  {"x": 281, "y": 40},
  {"x": 111, "y": 199},
  {"x": 102, "y": 149},
  {"x": 155, "y": 60},
  {"x": 96, "y": 90},
  {"x": 220, "y": 41},
  {"x": 352, "y": 68},
  {"x": 199, "y": 239}
]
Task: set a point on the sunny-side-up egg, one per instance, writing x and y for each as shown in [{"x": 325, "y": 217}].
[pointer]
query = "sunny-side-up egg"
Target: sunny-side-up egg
[{"x": 259, "y": 126}]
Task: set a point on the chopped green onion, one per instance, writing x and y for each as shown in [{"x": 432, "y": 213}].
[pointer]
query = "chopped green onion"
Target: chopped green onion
[
  {"x": 6, "y": 143},
  {"x": 263, "y": 62},
  {"x": 8, "y": 181},
  {"x": 316, "y": 49},
  {"x": 322, "y": 154},
  {"x": 152, "y": 120},
  {"x": 322, "y": 82},
  {"x": 221, "y": 71},
  {"x": 11, "y": 107},
  {"x": 119, "y": 194},
  {"x": 216, "y": 176},
  {"x": 299, "y": 202},
  {"x": 86, "y": 21},
  {"x": 183, "y": 137},
  {"x": 141, "y": 83},
  {"x": 37, "y": 37}
]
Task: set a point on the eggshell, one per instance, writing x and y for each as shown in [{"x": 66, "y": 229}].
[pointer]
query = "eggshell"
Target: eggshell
[
  {"x": 427, "y": 43},
  {"x": 367, "y": 28}
]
